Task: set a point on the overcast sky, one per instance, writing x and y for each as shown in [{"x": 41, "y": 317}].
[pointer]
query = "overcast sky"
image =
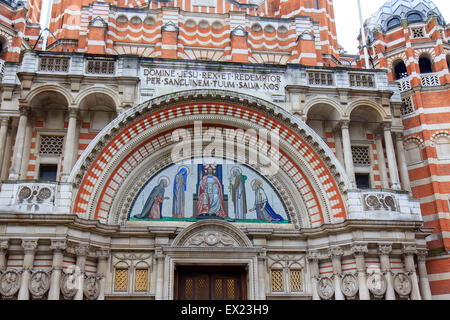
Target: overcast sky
[{"x": 347, "y": 18}]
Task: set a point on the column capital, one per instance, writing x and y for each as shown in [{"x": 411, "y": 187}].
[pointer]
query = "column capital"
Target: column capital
[
  {"x": 313, "y": 256},
  {"x": 344, "y": 124},
  {"x": 4, "y": 245},
  {"x": 409, "y": 249},
  {"x": 23, "y": 110},
  {"x": 81, "y": 250},
  {"x": 334, "y": 252},
  {"x": 384, "y": 249},
  {"x": 359, "y": 249},
  {"x": 58, "y": 245},
  {"x": 386, "y": 126},
  {"x": 29, "y": 245},
  {"x": 398, "y": 136},
  {"x": 73, "y": 112},
  {"x": 4, "y": 121},
  {"x": 103, "y": 253},
  {"x": 422, "y": 254}
]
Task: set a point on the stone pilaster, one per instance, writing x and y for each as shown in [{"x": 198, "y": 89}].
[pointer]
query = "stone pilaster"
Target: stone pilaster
[
  {"x": 29, "y": 247},
  {"x": 359, "y": 250},
  {"x": 408, "y": 253},
  {"x": 81, "y": 253},
  {"x": 390, "y": 153},
  {"x": 103, "y": 256},
  {"x": 384, "y": 250},
  {"x": 313, "y": 258},
  {"x": 3, "y": 252},
  {"x": 381, "y": 161},
  {"x": 19, "y": 144},
  {"x": 262, "y": 271},
  {"x": 159, "y": 256},
  {"x": 335, "y": 253},
  {"x": 347, "y": 148},
  {"x": 58, "y": 246},
  {"x": 423, "y": 274}
]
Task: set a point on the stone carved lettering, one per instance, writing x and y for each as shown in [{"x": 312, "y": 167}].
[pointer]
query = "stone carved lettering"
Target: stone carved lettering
[
  {"x": 9, "y": 283},
  {"x": 376, "y": 283},
  {"x": 211, "y": 239},
  {"x": 91, "y": 287},
  {"x": 349, "y": 286},
  {"x": 402, "y": 285},
  {"x": 326, "y": 288},
  {"x": 39, "y": 284}
]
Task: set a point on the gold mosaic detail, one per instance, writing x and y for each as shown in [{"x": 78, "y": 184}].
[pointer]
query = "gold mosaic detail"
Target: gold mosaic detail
[
  {"x": 296, "y": 280},
  {"x": 277, "y": 281},
  {"x": 141, "y": 281},
  {"x": 121, "y": 280}
]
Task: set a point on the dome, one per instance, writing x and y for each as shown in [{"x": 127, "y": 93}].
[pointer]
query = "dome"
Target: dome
[{"x": 390, "y": 14}]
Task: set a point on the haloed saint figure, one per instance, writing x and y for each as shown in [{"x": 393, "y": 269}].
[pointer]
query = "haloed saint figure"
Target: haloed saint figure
[
  {"x": 179, "y": 191},
  {"x": 237, "y": 186},
  {"x": 262, "y": 207},
  {"x": 153, "y": 206}
]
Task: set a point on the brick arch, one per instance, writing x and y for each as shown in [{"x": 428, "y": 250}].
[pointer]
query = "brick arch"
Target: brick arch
[{"x": 98, "y": 172}]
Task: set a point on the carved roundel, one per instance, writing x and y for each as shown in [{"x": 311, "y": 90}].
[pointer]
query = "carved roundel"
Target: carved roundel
[
  {"x": 376, "y": 283},
  {"x": 349, "y": 285},
  {"x": 39, "y": 284},
  {"x": 91, "y": 287},
  {"x": 402, "y": 284},
  {"x": 9, "y": 283},
  {"x": 326, "y": 288},
  {"x": 69, "y": 285}
]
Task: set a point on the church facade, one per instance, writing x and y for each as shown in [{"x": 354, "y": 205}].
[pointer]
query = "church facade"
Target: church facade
[{"x": 219, "y": 150}]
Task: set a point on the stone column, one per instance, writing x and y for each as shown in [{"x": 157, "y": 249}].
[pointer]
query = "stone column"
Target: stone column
[
  {"x": 393, "y": 171},
  {"x": 3, "y": 251},
  {"x": 4, "y": 122},
  {"x": 404, "y": 177},
  {"x": 313, "y": 258},
  {"x": 103, "y": 255},
  {"x": 408, "y": 254},
  {"x": 338, "y": 147},
  {"x": 423, "y": 275},
  {"x": 335, "y": 254},
  {"x": 381, "y": 161},
  {"x": 348, "y": 157},
  {"x": 159, "y": 256},
  {"x": 359, "y": 250},
  {"x": 14, "y": 173},
  {"x": 384, "y": 250},
  {"x": 29, "y": 247},
  {"x": 262, "y": 271},
  {"x": 58, "y": 246},
  {"x": 81, "y": 252},
  {"x": 26, "y": 148},
  {"x": 69, "y": 149}
]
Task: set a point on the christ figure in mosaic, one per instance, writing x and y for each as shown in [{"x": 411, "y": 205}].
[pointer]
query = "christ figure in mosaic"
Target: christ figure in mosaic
[{"x": 210, "y": 195}]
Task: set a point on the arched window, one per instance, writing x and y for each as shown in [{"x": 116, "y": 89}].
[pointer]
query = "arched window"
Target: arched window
[
  {"x": 412, "y": 152},
  {"x": 3, "y": 45},
  {"x": 393, "y": 23},
  {"x": 425, "y": 65},
  {"x": 448, "y": 61},
  {"x": 414, "y": 17},
  {"x": 443, "y": 147},
  {"x": 400, "y": 70}
]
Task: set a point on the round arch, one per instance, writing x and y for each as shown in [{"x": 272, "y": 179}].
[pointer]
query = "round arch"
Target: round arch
[
  {"x": 303, "y": 151},
  {"x": 323, "y": 100},
  {"x": 49, "y": 88},
  {"x": 367, "y": 103},
  {"x": 97, "y": 90}
]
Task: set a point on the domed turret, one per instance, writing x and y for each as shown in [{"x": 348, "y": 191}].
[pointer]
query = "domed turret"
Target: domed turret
[{"x": 389, "y": 16}]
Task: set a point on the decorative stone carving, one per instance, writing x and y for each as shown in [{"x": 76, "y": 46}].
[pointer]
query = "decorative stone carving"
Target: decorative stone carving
[
  {"x": 377, "y": 285},
  {"x": 409, "y": 249},
  {"x": 349, "y": 286},
  {"x": 379, "y": 201},
  {"x": 359, "y": 249},
  {"x": 402, "y": 285},
  {"x": 9, "y": 283},
  {"x": 422, "y": 254},
  {"x": 211, "y": 239},
  {"x": 325, "y": 288},
  {"x": 58, "y": 245},
  {"x": 36, "y": 193},
  {"x": 39, "y": 284},
  {"x": 69, "y": 285},
  {"x": 335, "y": 252},
  {"x": 384, "y": 249},
  {"x": 313, "y": 256},
  {"x": 29, "y": 245},
  {"x": 91, "y": 287}
]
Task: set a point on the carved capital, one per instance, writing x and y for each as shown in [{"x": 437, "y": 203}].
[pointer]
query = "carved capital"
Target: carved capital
[
  {"x": 29, "y": 246},
  {"x": 422, "y": 254},
  {"x": 4, "y": 245},
  {"x": 384, "y": 249},
  {"x": 344, "y": 124},
  {"x": 81, "y": 250},
  {"x": 23, "y": 110},
  {"x": 359, "y": 249},
  {"x": 58, "y": 245},
  {"x": 313, "y": 256},
  {"x": 73, "y": 112},
  {"x": 409, "y": 249},
  {"x": 398, "y": 136},
  {"x": 387, "y": 126},
  {"x": 103, "y": 253},
  {"x": 335, "y": 252}
]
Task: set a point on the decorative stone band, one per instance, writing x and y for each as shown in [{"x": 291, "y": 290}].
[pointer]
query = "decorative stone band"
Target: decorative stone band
[{"x": 95, "y": 174}]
